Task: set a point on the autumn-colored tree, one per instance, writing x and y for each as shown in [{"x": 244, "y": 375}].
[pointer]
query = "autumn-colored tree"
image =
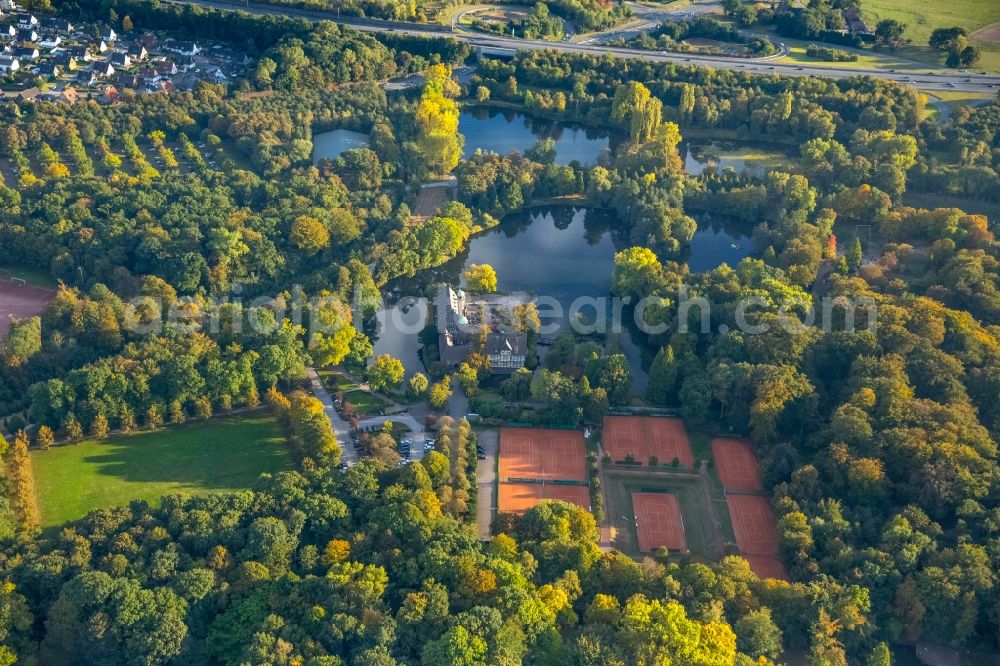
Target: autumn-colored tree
[
  {"x": 154, "y": 417},
  {"x": 126, "y": 419},
  {"x": 440, "y": 393},
  {"x": 177, "y": 413},
  {"x": 45, "y": 438},
  {"x": 99, "y": 426},
  {"x": 309, "y": 234},
  {"x": 436, "y": 118},
  {"x": 72, "y": 428},
  {"x": 481, "y": 278},
  {"x": 20, "y": 483},
  {"x": 385, "y": 372}
]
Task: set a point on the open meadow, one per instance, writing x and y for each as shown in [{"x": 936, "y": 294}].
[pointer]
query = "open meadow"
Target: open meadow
[{"x": 225, "y": 453}]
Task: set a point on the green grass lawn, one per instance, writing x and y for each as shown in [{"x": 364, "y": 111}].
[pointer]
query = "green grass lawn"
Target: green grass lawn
[
  {"x": 365, "y": 403},
  {"x": 921, "y": 18},
  {"x": 226, "y": 453},
  {"x": 33, "y": 276},
  {"x": 867, "y": 60}
]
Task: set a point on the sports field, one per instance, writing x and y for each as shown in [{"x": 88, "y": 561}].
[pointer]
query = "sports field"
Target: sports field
[
  {"x": 756, "y": 533},
  {"x": 703, "y": 530},
  {"x": 539, "y": 453},
  {"x": 767, "y": 566},
  {"x": 20, "y": 299},
  {"x": 225, "y": 453},
  {"x": 519, "y": 497},
  {"x": 658, "y": 521},
  {"x": 645, "y": 436},
  {"x": 736, "y": 464}
]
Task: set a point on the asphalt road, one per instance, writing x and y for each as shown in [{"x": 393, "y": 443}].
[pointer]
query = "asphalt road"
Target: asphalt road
[
  {"x": 486, "y": 480},
  {"x": 940, "y": 79}
]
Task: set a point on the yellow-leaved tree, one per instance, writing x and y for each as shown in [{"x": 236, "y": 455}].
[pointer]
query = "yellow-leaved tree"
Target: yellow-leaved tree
[{"x": 436, "y": 119}]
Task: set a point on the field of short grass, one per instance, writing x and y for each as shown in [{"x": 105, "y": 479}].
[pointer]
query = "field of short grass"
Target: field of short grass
[
  {"x": 223, "y": 454},
  {"x": 921, "y": 18},
  {"x": 35, "y": 276},
  {"x": 866, "y": 60},
  {"x": 618, "y": 488}
]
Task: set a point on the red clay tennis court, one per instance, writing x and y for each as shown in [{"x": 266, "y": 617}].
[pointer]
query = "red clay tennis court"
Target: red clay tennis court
[
  {"x": 766, "y": 566},
  {"x": 754, "y": 526},
  {"x": 519, "y": 497},
  {"x": 22, "y": 301},
  {"x": 658, "y": 521},
  {"x": 645, "y": 436},
  {"x": 538, "y": 453},
  {"x": 736, "y": 463}
]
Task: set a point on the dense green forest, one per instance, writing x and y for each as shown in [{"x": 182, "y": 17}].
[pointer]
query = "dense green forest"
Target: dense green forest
[{"x": 878, "y": 443}]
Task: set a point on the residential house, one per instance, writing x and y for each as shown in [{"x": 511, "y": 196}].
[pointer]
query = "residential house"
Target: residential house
[
  {"x": 81, "y": 53},
  {"x": 66, "y": 61},
  {"x": 9, "y": 65},
  {"x": 26, "y": 53},
  {"x": 120, "y": 59},
  {"x": 184, "y": 48},
  {"x": 126, "y": 80},
  {"x": 166, "y": 68},
  {"x": 8, "y": 5},
  {"x": 229, "y": 55},
  {"x": 59, "y": 25},
  {"x": 29, "y": 95},
  {"x": 49, "y": 70},
  {"x": 109, "y": 35},
  {"x": 101, "y": 47},
  {"x": 216, "y": 74},
  {"x": 103, "y": 70},
  {"x": 109, "y": 95},
  {"x": 86, "y": 77},
  {"x": 186, "y": 83},
  {"x": 10, "y": 31},
  {"x": 50, "y": 41},
  {"x": 138, "y": 53},
  {"x": 28, "y": 21},
  {"x": 68, "y": 95},
  {"x": 27, "y": 35},
  {"x": 148, "y": 41}
]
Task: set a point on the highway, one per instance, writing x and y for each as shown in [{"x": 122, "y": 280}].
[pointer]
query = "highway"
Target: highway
[{"x": 929, "y": 79}]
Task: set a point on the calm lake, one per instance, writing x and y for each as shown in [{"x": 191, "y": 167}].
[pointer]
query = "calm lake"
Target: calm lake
[
  {"x": 502, "y": 132},
  {"x": 556, "y": 253},
  {"x": 499, "y": 131}
]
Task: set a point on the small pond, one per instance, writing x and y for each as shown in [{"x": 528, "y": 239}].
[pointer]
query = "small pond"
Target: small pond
[
  {"x": 559, "y": 253},
  {"x": 329, "y": 145},
  {"x": 500, "y": 131},
  {"x": 494, "y": 130}
]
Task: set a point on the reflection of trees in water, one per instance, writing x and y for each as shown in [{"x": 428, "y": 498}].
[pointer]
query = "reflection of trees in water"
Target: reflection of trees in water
[
  {"x": 596, "y": 223},
  {"x": 544, "y": 128},
  {"x": 722, "y": 232}
]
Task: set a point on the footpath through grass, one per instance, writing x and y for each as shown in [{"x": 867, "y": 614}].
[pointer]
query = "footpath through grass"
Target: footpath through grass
[{"x": 223, "y": 454}]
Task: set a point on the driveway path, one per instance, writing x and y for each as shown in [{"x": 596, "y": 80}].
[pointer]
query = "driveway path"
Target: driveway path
[
  {"x": 341, "y": 428},
  {"x": 417, "y": 434},
  {"x": 486, "y": 480}
]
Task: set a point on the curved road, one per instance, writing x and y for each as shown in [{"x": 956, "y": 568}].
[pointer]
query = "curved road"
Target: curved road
[{"x": 940, "y": 79}]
